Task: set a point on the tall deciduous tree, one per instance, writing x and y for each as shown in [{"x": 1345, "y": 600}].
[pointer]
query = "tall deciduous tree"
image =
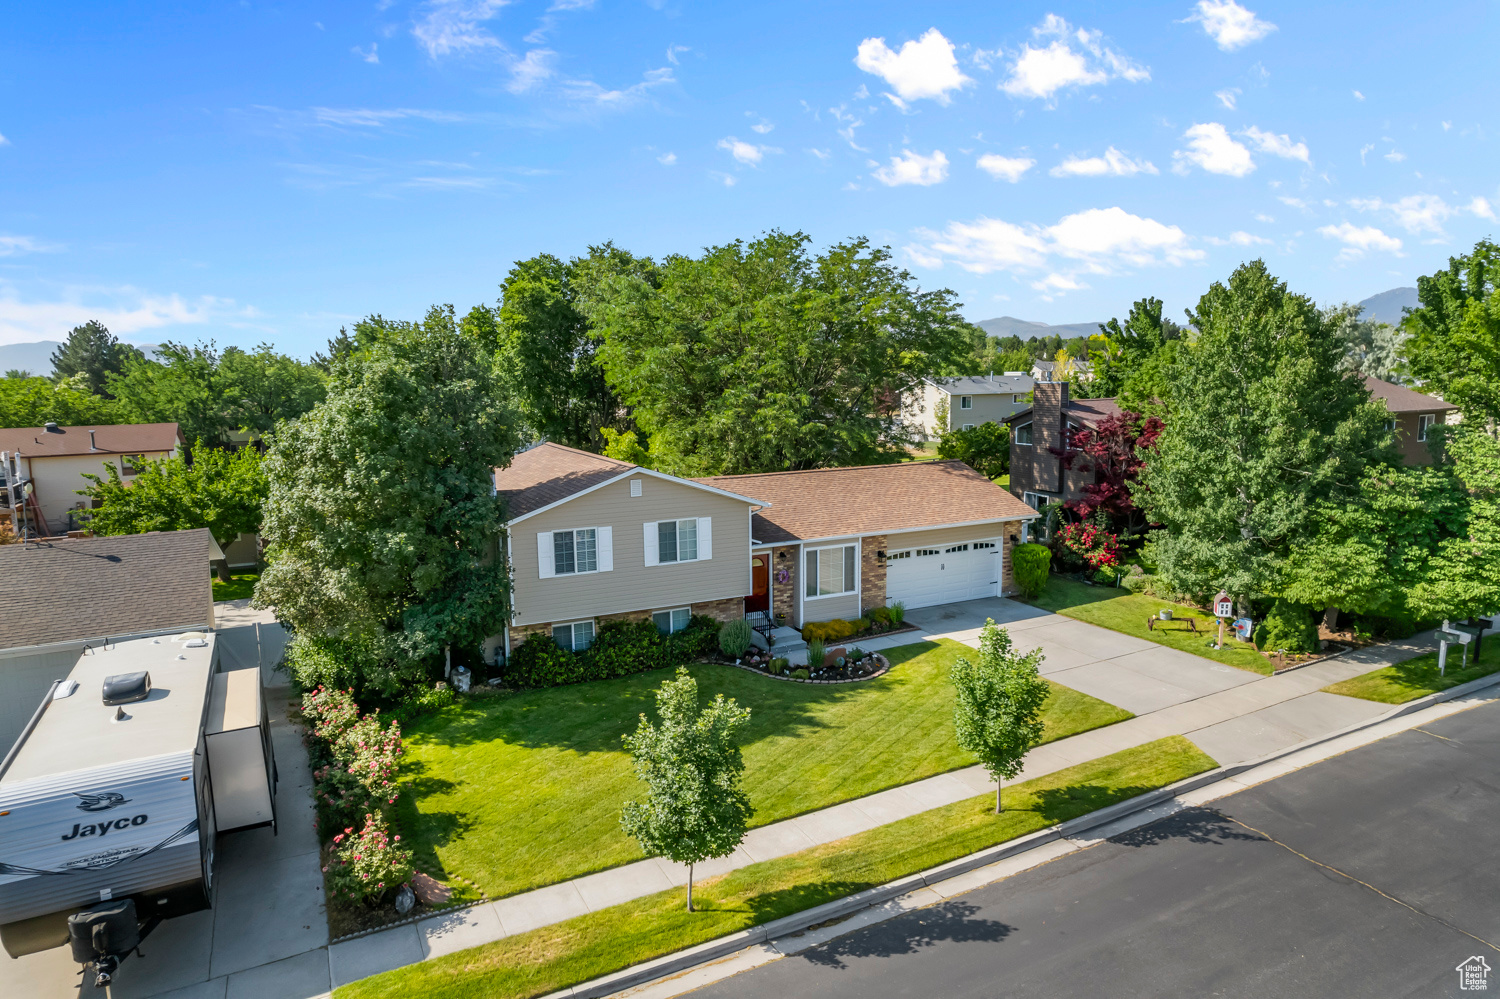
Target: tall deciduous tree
[
  {"x": 1127, "y": 345},
  {"x": 985, "y": 448},
  {"x": 93, "y": 352},
  {"x": 1455, "y": 345},
  {"x": 998, "y": 704},
  {"x": 695, "y": 808},
  {"x": 381, "y": 521},
  {"x": 1263, "y": 424},
  {"x": 759, "y": 357},
  {"x": 1463, "y": 576},
  {"x": 32, "y": 402},
  {"x": 221, "y": 490},
  {"x": 549, "y": 352}
]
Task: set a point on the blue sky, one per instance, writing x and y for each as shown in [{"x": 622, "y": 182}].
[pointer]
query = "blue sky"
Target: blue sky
[{"x": 254, "y": 171}]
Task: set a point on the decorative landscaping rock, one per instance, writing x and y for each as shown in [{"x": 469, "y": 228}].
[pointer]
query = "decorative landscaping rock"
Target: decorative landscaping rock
[{"x": 867, "y": 668}]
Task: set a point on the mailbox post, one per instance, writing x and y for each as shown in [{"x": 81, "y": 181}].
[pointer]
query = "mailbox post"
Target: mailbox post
[
  {"x": 1448, "y": 635},
  {"x": 1223, "y": 610}
]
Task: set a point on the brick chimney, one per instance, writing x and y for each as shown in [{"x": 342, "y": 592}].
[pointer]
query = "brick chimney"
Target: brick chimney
[{"x": 1048, "y": 430}]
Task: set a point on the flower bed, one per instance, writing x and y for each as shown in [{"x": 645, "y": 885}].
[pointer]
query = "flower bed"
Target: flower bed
[
  {"x": 368, "y": 872},
  {"x": 840, "y": 666}
]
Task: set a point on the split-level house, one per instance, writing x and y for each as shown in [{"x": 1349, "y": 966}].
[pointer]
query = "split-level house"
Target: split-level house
[
  {"x": 972, "y": 400},
  {"x": 591, "y": 540}
]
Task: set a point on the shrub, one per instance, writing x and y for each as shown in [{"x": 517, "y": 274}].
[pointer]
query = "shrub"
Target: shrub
[
  {"x": 1138, "y": 584},
  {"x": 816, "y": 650},
  {"x": 1105, "y": 577},
  {"x": 985, "y": 448},
  {"x": 541, "y": 662},
  {"x": 313, "y": 661},
  {"x": 1030, "y": 564},
  {"x": 778, "y": 665},
  {"x": 734, "y": 638},
  {"x": 1089, "y": 543},
  {"x": 1287, "y": 626},
  {"x": 697, "y": 640},
  {"x": 898, "y": 612},
  {"x": 341, "y": 798},
  {"x": 879, "y": 615},
  {"x": 329, "y": 713},
  {"x": 622, "y": 648},
  {"x": 371, "y": 753},
  {"x": 425, "y": 702},
  {"x": 830, "y": 631},
  {"x": 364, "y": 866},
  {"x": 799, "y": 674}
]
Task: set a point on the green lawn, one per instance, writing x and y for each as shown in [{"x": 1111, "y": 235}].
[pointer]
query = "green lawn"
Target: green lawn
[
  {"x": 240, "y": 587},
  {"x": 925, "y": 451},
  {"x": 1126, "y": 612},
  {"x": 524, "y": 790},
  {"x": 554, "y": 957},
  {"x": 1419, "y": 677}
]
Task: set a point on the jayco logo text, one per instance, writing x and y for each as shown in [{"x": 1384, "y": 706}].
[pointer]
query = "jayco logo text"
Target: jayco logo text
[{"x": 103, "y": 828}]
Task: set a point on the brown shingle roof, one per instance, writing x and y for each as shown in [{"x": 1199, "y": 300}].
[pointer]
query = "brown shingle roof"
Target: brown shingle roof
[
  {"x": 73, "y": 588},
  {"x": 869, "y": 499},
  {"x": 123, "y": 438},
  {"x": 551, "y": 472},
  {"x": 1400, "y": 399},
  {"x": 1090, "y": 411}
]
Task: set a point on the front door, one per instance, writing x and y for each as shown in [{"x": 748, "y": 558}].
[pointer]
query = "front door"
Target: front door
[{"x": 759, "y": 599}]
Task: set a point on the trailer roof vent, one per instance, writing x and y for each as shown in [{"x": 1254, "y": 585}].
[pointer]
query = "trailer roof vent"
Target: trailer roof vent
[
  {"x": 123, "y": 688},
  {"x": 195, "y": 643}
]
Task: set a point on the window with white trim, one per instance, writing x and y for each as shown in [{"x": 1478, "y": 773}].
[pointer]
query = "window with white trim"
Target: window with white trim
[
  {"x": 575, "y": 551},
  {"x": 1023, "y": 434},
  {"x": 968, "y": 426},
  {"x": 966, "y": 402},
  {"x": 677, "y": 540},
  {"x": 1423, "y": 422},
  {"x": 574, "y": 636},
  {"x": 831, "y": 571},
  {"x": 1017, "y": 399},
  {"x": 669, "y": 622}
]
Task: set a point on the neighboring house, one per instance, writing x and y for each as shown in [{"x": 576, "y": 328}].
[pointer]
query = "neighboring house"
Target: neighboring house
[
  {"x": 1036, "y": 474},
  {"x": 1038, "y": 477},
  {"x": 971, "y": 401},
  {"x": 1077, "y": 370},
  {"x": 55, "y": 459},
  {"x": 1412, "y": 414},
  {"x": 1044, "y": 371},
  {"x": 58, "y": 596},
  {"x": 592, "y": 540}
]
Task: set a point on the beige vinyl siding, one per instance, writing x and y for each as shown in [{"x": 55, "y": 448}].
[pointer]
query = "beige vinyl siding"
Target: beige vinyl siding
[
  {"x": 845, "y": 606},
  {"x": 56, "y": 481},
  {"x": 987, "y": 409},
  {"x": 949, "y": 536},
  {"x": 632, "y": 585}
]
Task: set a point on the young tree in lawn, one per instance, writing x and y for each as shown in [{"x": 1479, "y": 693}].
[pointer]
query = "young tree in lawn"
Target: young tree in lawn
[
  {"x": 93, "y": 352},
  {"x": 1263, "y": 424},
  {"x": 985, "y": 448},
  {"x": 695, "y": 808},
  {"x": 1455, "y": 343},
  {"x": 998, "y": 704},
  {"x": 381, "y": 522},
  {"x": 1114, "y": 452},
  {"x": 760, "y": 357},
  {"x": 221, "y": 490}
]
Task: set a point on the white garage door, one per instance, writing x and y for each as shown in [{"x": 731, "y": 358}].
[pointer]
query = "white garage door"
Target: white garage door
[{"x": 921, "y": 577}]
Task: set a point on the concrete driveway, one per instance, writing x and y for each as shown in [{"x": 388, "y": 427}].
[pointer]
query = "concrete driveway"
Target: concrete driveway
[
  {"x": 266, "y": 937},
  {"x": 1135, "y": 674}
]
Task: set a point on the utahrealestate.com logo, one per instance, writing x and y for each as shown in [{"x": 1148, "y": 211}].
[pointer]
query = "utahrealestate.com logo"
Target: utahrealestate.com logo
[{"x": 1474, "y": 975}]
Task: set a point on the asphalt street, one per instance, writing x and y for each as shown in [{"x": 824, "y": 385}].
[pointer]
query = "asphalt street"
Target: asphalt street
[{"x": 1370, "y": 874}]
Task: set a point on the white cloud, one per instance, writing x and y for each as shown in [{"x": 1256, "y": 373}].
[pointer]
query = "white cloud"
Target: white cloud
[
  {"x": 667, "y": 159},
  {"x": 727, "y": 179},
  {"x": 1294, "y": 202},
  {"x": 454, "y": 26},
  {"x": 849, "y": 123},
  {"x": 1210, "y": 147},
  {"x": 4, "y": 141},
  {"x": 745, "y": 152},
  {"x": 1228, "y": 97},
  {"x": 1095, "y": 241},
  {"x": 1230, "y": 25},
  {"x": 1482, "y": 208},
  {"x": 15, "y": 246},
  {"x": 1112, "y": 164},
  {"x": 1447, "y": 125},
  {"x": 589, "y": 92},
  {"x": 1263, "y": 217},
  {"x": 1240, "y": 238},
  {"x": 1368, "y": 147},
  {"x": 372, "y": 56},
  {"x": 528, "y": 72},
  {"x": 1357, "y": 240},
  {"x": 925, "y": 68},
  {"x": 672, "y": 51},
  {"x": 914, "y": 168},
  {"x": 762, "y": 128},
  {"x": 1415, "y": 213},
  {"x": 1076, "y": 57},
  {"x": 1358, "y": 96},
  {"x": 124, "y": 310},
  {"x": 822, "y": 154},
  {"x": 1277, "y": 145},
  {"x": 1009, "y": 168},
  {"x": 373, "y": 117},
  {"x": 1395, "y": 156}
]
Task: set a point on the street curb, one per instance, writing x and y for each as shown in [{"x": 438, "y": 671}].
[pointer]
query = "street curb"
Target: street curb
[{"x": 713, "y": 950}]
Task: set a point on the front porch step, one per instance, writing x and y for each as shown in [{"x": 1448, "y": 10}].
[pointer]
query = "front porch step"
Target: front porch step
[{"x": 787, "y": 640}]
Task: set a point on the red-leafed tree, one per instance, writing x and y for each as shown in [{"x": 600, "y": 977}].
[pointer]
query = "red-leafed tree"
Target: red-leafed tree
[{"x": 1113, "y": 452}]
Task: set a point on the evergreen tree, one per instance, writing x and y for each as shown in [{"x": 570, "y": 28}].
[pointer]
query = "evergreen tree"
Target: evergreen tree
[
  {"x": 93, "y": 352},
  {"x": 1264, "y": 424}
]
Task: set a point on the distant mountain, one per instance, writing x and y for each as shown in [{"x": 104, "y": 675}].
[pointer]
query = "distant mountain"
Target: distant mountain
[
  {"x": 1386, "y": 307},
  {"x": 37, "y": 357},
  {"x": 1010, "y": 326}
]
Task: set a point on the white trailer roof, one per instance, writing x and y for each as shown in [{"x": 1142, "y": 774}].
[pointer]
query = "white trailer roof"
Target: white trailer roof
[{"x": 80, "y": 732}]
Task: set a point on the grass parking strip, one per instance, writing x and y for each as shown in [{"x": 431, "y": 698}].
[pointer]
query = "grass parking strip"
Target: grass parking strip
[
  {"x": 577, "y": 950},
  {"x": 1418, "y": 677}
]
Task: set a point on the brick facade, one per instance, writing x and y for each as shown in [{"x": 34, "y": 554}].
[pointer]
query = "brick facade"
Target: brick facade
[
  {"x": 1007, "y": 575},
  {"x": 784, "y": 595},
  {"x": 731, "y": 609},
  {"x": 871, "y": 573}
]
